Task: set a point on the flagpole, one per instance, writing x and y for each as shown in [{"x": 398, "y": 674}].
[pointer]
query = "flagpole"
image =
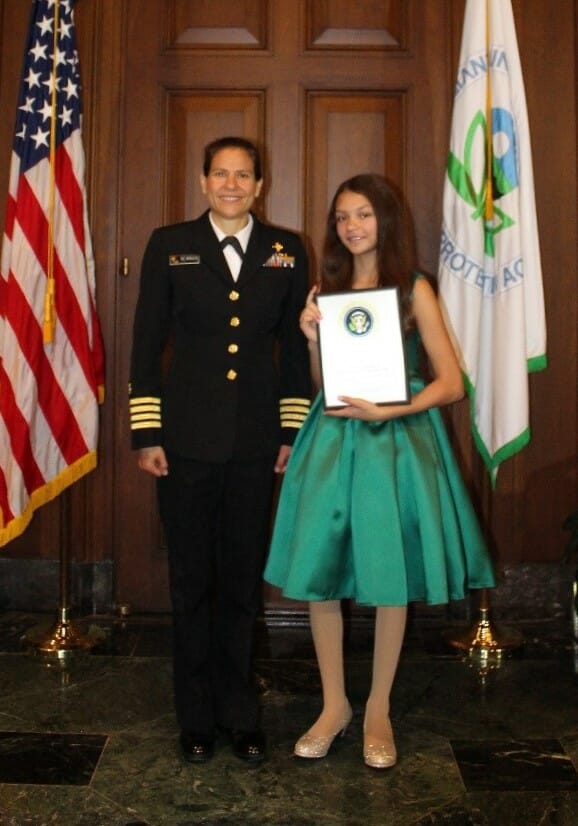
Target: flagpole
[
  {"x": 63, "y": 640},
  {"x": 484, "y": 639},
  {"x": 49, "y": 298}
]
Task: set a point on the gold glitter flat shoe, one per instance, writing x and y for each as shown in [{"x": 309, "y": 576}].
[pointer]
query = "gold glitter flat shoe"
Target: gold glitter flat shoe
[
  {"x": 314, "y": 746},
  {"x": 379, "y": 752}
]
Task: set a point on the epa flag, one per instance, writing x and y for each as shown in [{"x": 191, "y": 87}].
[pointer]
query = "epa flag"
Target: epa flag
[
  {"x": 51, "y": 354},
  {"x": 490, "y": 278}
]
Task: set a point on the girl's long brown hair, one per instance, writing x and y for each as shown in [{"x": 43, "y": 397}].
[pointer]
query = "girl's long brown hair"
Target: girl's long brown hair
[{"x": 394, "y": 242}]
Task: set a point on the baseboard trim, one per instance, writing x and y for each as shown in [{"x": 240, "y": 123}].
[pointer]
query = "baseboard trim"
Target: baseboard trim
[
  {"x": 524, "y": 592},
  {"x": 34, "y": 585}
]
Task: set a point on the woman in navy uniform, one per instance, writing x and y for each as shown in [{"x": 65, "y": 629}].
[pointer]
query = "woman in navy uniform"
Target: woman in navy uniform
[{"x": 227, "y": 290}]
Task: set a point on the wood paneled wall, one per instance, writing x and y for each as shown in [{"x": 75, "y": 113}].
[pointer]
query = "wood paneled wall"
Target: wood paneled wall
[{"x": 537, "y": 488}]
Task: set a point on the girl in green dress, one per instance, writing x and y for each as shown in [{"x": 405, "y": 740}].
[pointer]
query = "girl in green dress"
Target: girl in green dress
[{"x": 373, "y": 507}]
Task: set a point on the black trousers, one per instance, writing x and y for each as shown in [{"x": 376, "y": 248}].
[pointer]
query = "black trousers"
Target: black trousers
[{"x": 216, "y": 519}]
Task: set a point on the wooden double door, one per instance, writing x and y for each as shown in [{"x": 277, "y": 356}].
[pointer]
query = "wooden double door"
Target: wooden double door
[{"x": 328, "y": 89}]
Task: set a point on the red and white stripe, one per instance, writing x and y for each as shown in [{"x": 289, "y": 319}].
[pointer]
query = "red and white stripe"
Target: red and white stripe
[{"x": 49, "y": 393}]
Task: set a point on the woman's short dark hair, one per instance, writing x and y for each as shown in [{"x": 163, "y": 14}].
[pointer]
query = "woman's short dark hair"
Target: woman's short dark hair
[{"x": 232, "y": 142}]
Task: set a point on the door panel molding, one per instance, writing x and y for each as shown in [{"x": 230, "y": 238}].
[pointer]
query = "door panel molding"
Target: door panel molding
[
  {"x": 194, "y": 118},
  {"x": 348, "y": 134},
  {"x": 218, "y": 23},
  {"x": 340, "y": 24}
]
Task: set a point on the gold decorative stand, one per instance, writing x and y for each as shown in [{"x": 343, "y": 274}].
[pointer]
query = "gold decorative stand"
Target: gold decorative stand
[
  {"x": 64, "y": 640},
  {"x": 484, "y": 640}
]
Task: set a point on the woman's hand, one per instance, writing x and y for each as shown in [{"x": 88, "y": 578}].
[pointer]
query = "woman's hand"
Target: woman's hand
[
  {"x": 153, "y": 460},
  {"x": 282, "y": 459},
  {"x": 310, "y": 316},
  {"x": 362, "y": 409}
]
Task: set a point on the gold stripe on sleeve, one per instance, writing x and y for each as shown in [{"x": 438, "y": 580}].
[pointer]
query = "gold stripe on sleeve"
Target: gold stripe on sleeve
[
  {"x": 293, "y": 411},
  {"x": 145, "y": 412}
]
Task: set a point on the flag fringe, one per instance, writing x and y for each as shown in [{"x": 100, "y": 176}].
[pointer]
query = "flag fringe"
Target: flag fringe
[{"x": 45, "y": 494}]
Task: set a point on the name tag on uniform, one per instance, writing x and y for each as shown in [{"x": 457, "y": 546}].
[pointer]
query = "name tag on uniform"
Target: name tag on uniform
[{"x": 183, "y": 260}]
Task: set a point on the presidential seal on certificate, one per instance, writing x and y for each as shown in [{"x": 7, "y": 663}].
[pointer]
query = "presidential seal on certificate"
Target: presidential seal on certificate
[{"x": 361, "y": 347}]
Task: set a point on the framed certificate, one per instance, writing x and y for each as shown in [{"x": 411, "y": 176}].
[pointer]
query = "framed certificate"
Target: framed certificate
[{"x": 361, "y": 347}]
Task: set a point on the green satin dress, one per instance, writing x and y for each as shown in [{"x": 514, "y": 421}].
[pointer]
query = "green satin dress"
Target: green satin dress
[{"x": 376, "y": 512}]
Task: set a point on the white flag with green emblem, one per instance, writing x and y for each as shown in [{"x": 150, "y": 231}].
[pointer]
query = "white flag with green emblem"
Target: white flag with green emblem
[{"x": 490, "y": 276}]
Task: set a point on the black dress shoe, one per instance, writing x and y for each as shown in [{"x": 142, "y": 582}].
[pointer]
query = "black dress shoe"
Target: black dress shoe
[
  {"x": 196, "y": 748},
  {"x": 248, "y": 745}
]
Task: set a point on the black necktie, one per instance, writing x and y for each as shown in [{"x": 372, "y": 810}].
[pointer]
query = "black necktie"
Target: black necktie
[{"x": 235, "y": 243}]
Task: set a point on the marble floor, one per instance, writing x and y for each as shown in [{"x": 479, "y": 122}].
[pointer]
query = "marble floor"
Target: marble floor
[{"x": 95, "y": 743}]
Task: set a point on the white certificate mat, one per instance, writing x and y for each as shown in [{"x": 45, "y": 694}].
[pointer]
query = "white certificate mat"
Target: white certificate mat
[{"x": 361, "y": 347}]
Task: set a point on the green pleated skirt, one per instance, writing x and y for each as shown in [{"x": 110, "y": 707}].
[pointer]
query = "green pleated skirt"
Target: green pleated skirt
[{"x": 376, "y": 512}]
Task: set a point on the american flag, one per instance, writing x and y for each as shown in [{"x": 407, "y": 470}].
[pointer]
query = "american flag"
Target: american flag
[{"x": 51, "y": 353}]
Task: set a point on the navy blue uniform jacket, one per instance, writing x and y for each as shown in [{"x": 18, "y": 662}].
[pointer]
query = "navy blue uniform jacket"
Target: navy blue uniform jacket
[{"x": 234, "y": 382}]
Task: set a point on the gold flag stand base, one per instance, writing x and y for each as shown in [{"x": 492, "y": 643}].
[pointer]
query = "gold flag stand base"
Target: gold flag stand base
[
  {"x": 63, "y": 642},
  {"x": 483, "y": 640}
]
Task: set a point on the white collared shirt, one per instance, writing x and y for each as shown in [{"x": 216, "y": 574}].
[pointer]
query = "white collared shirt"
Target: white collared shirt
[{"x": 230, "y": 254}]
